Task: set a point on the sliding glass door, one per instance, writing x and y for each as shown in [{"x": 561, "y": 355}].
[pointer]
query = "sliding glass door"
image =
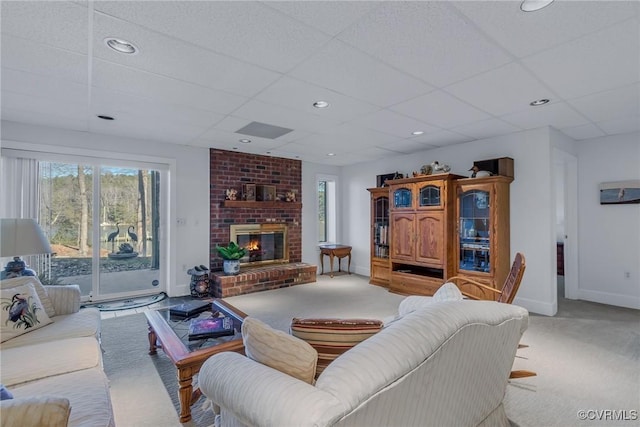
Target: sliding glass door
[{"x": 104, "y": 224}]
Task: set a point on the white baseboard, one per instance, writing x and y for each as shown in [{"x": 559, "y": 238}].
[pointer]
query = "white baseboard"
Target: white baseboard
[
  {"x": 618, "y": 300},
  {"x": 538, "y": 307}
]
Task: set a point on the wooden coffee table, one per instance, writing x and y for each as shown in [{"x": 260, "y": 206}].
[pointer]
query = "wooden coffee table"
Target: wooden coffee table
[{"x": 171, "y": 334}]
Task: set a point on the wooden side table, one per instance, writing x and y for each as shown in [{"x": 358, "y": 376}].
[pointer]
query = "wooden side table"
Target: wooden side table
[{"x": 333, "y": 251}]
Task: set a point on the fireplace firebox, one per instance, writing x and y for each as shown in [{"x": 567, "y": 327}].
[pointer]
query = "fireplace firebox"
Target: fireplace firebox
[{"x": 265, "y": 243}]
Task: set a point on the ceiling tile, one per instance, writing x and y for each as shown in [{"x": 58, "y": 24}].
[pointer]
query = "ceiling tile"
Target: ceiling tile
[
  {"x": 75, "y": 104},
  {"x": 504, "y": 90},
  {"x": 427, "y": 39},
  {"x": 23, "y": 55},
  {"x": 121, "y": 105},
  {"x": 50, "y": 118},
  {"x": 55, "y": 23},
  {"x": 164, "y": 89},
  {"x": 406, "y": 146},
  {"x": 611, "y": 56},
  {"x": 249, "y": 31},
  {"x": 486, "y": 128},
  {"x": 440, "y": 109},
  {"x": 620, "y": 125},
  {"x": 346, "y": 70},
  {"x": 524, "y": 34},
  {"x": 442, "y": 138},
  {"x": 559, "y": 115},
  {"x": 42, "y": 86},
  {"x": 183, "y": 61},
  {"x": 284, "y": 117},
  {"x": 328, "y": 17},
  {"x": 299, "y": 95},
  {"x": 583, "y": 131},
  {"x": 608, "y": 105},
  {"x": 393, "y": 123}
]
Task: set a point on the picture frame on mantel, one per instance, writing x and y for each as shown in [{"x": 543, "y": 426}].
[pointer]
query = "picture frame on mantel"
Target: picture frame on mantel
[
  {"x": 265, "y": 193},
  {"x": 249, "y": 192}
]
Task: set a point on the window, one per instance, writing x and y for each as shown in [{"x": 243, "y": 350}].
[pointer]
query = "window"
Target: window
[{"x": 327, "y": 224}]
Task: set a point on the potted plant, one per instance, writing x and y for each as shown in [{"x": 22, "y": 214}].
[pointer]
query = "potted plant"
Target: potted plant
[{"x": 231, "y": 255}]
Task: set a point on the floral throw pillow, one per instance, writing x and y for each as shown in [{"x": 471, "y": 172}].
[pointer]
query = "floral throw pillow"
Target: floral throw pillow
[{"x": 21, "y": 312}]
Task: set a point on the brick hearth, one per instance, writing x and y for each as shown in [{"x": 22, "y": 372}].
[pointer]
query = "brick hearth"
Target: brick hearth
[
  {"x": 230, "y": 169},
  {"x": 262, "y": 279}
]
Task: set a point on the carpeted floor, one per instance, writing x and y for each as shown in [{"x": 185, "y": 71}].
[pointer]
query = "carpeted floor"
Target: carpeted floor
[{"x": 587, "y": 356}]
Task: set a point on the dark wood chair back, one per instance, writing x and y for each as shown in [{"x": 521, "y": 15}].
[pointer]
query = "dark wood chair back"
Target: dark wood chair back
[{"x": 512, "y": 282}]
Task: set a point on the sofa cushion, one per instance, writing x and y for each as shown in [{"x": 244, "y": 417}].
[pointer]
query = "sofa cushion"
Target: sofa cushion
[
  {"x": 22, "y": 312},
  {"x": 87, "y": 391},
  {"x": 40, "y": 290},
  {"x": 448, "y": 292},
  {"x": 332, "y": 337},
  {"x": 33, "y": 362},
  {"x": 84, "y": 323},
  {"x": 278, "y": 350}
]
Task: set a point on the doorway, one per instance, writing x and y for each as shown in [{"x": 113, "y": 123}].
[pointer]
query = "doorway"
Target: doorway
[{"x": 566, "y": 179}]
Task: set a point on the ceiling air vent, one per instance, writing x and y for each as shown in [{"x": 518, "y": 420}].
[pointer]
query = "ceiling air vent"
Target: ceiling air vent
[{"x": 263, "y": 130}]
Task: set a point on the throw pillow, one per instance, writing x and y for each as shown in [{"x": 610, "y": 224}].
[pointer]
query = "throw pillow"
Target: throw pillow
[
  {"x": 22, "y": 312},
  {"x": 40, "y": 290},
  {"x": 278, "y": 350},
  {"x": 448, "y": 292},
  {"x": 332, "y": 337},
  {"x": 5, "y": 393}
]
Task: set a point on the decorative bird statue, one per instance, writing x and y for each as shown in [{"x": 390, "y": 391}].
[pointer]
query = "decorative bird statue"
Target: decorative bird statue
[
  {"x": 132, "y": 235},
  {"x": 112, "y": 237}
]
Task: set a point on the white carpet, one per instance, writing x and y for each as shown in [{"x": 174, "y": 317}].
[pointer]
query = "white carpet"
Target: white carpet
[{"x": 587, "y": 357}]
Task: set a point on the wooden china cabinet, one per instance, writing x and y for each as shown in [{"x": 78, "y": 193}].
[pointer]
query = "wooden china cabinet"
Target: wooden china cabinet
[
  {"x": 482, "y": 230},
  {"x": 379, "y": 267},
  {"x": 422, "y": 232},
  {"x": 441, "y": 226}
]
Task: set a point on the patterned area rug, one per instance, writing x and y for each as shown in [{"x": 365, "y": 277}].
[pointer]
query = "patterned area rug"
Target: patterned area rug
[{"x": 128, "y": 304}]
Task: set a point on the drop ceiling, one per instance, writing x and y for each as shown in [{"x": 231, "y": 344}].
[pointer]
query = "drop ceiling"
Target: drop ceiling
[{"x": 458, "y": 71}]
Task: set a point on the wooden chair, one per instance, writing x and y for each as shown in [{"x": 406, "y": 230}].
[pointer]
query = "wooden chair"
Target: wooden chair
[{"x": 505, "y": 295}]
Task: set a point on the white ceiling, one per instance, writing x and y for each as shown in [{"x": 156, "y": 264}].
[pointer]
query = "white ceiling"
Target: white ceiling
[{"x": 459, "y": 71}]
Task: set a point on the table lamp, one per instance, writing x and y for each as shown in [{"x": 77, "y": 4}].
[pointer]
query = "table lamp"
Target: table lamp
[{"x": 18, "y": 237}]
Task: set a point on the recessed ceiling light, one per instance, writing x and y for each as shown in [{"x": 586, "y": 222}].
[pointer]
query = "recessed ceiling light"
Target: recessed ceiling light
[
  {"x": 331, "y": 154},
  {"x": 321, "y": 104},
  {"x": 121, "y": 46},
  {"x": 244, "y": 141},
  {"x": 539, "y": 102},
  {"x": 105, "y": 117},
  {"x": 533, "y": 5},
  {"x": 418, "y": 132}
]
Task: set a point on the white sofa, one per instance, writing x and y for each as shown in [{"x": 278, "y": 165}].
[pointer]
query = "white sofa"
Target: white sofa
[
  {"x": 55, "y": 372},
  {"x": 442, "y": 364}
]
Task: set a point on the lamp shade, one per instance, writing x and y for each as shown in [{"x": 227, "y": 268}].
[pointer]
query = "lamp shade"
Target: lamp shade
[{"x": 22, "y": 236}]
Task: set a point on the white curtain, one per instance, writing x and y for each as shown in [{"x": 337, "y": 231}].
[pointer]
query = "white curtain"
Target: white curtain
[{"x": 19, "y": 196}]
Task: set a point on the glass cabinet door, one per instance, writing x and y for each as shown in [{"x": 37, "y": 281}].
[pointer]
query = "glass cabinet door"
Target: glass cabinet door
[
  {"x": 381, "y": 227},
  {"x": 475, "y": 236},
  {"x": 402, "y": 198},
  {"x": 429, "y": 196}
]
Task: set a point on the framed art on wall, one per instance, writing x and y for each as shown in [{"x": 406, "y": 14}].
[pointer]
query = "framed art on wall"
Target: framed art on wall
[{"x": 620, "y": 192}]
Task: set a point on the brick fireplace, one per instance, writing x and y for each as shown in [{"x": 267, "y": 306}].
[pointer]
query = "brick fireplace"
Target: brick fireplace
[{"x": 230, "y": 170}]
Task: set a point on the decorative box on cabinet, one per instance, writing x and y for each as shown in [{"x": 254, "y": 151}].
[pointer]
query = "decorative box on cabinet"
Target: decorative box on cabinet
[
  {"x": 380, "y": 235},
  {"x": 422, "y": 231},
  {"x": 482, "y": 229}
]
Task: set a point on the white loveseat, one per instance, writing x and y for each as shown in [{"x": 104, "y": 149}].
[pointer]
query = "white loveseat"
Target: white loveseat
[
  {"x": 442, "y": 364},
  {"x": 55, "y": 372}
]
